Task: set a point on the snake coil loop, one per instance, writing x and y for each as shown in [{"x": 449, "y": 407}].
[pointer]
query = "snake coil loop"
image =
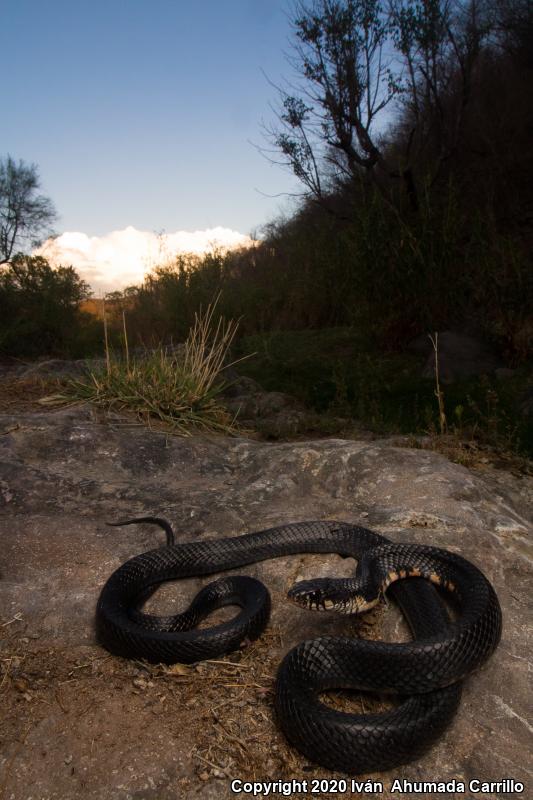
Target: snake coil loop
[{"x": 424, "y": 673}]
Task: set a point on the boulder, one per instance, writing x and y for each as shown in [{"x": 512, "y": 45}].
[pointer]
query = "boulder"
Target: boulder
[
  {"x": 78, "y": 722},
  {"x": 60, "y": 368},
  {"x": 274, "y": 414}
]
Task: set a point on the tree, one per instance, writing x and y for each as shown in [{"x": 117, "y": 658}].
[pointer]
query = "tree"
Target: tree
[
  {"x": 439, "y": 42},
  {"x": 39, "y": 307},
  {"x": 326, "y": 126},
  {"x": 24, "y": 213},
  {"x": 355, "y": 58},
  {"x": 32, "y": 276},
  {"x": 514, "y": 28}
]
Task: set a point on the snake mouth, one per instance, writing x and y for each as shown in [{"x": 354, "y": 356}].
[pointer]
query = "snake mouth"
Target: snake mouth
[{"x": 327, "y": 594}]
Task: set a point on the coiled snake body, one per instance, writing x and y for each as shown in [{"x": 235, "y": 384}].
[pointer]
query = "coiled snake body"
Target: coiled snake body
[{"x": 425, "y": 673}]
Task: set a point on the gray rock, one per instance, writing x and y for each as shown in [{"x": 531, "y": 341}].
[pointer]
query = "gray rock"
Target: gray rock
[
  {"x": 238, "y": 385},
  {"x": 60, "y": 368},
  {"x": 273, "y": 414},
  {"x": 63, "y": 476}
]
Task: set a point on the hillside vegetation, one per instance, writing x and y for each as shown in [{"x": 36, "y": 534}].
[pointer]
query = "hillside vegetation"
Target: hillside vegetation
[{"x": 388, "y": 248}]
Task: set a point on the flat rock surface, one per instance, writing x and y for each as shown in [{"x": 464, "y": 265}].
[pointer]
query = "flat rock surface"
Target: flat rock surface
[{"x": 78, "y": 722}]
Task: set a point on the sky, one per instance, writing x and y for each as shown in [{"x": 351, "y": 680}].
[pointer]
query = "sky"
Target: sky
[{"x": 144, "y": 114}]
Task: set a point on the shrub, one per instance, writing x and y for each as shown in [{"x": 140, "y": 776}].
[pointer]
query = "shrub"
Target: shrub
[{"x": 39, "y": 309}]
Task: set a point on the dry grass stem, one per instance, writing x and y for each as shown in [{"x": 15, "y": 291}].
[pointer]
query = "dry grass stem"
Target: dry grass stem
[
  {"x": 126, "y": 347},
  {"x": 443, "y": 425},
  {"x": 106, "y": 338}
]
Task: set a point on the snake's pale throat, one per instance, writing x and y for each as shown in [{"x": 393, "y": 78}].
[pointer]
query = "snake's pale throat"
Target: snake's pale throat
[{"x": 330, "y": 594}]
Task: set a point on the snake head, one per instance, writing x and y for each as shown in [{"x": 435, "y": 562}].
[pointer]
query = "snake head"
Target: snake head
[{"x": 329, "y": 594}]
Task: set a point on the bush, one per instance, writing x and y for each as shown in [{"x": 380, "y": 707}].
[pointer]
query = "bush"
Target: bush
[{"x": 39, "y": 310}]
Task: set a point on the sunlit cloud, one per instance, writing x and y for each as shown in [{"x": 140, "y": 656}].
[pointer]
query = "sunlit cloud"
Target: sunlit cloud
[{"x": 123, "y": 258}]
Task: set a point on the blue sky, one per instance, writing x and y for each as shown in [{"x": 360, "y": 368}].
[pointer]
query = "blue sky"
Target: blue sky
[{"x": 141, "y": 112}]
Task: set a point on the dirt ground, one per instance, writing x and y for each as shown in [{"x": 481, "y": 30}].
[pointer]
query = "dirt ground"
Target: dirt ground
[{"x": 80, "y": 714}]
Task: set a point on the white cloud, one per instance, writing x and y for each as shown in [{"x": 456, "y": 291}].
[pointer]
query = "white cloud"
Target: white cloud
[{"x": 122, "y": 258}]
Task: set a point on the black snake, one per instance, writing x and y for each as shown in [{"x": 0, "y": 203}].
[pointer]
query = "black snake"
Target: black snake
[{"x": 424, "y": 673}]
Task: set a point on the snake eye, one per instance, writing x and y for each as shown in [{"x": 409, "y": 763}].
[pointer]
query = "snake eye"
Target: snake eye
[{"x": 317, "y": 595}]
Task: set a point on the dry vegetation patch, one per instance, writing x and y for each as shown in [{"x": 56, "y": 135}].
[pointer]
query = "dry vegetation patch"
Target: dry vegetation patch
[
  {"x": 78, "y": 713},
  {"x": 24, "y": 394}
]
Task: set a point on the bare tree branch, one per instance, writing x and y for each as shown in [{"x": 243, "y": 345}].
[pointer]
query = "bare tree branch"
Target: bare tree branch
[{"x": 354, "y": 58}]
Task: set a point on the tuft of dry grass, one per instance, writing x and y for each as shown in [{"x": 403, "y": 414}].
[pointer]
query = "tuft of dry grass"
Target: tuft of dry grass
[{"x": 178, "y": 388}]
